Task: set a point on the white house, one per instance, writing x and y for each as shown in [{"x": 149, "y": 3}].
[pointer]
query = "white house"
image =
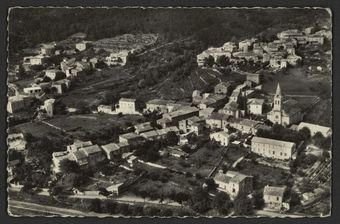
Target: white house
[
  {"x": 127, "y": 106},
  {"x": 274, "y": 198},
  {"x": 117, "y": 58},
  {"x": 222, "y": 137},
  {"x": 234, "y": 183},
  {"x": 255, "y": 106}
]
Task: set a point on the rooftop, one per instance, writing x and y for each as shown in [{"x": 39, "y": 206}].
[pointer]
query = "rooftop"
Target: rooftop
[
  {"x": 91, "y": 149},
  {"x": 182, "y": 111},
  {"x": 218, "y": 116},
  {"x": 274, "y": 191},
  {"x": 130, "y": 135},
  {"x": 272, "y": 142},
  {"x": 127, "y": 99}
]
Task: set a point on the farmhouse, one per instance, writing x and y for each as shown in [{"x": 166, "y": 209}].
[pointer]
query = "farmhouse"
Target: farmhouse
[
  {"x": 117, "y": 58},
  {"x": 271, "y": 148},
  {"x": 35, "y": 60},
  {"x": 274, "y": 198},
  {"x": 192, "y": 124},
  {"x": 16, "y": 141},
  {"x": 15, "y": 104},
  {"x": 33, "y": 90},
  {"x": 106, "y": 109},
  {"x": 234, "y": 183}
]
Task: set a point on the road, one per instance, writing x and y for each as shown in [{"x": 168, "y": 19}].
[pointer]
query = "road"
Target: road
[
  {"x": 52, "y": 210},
  {"x": 276, "y": 214}
]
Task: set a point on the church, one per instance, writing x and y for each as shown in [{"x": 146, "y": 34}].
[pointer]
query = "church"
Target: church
[{"x": 284, "y": 112}]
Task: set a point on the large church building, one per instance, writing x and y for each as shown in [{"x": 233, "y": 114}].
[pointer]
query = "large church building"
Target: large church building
[{"x": 283, "y": 112}]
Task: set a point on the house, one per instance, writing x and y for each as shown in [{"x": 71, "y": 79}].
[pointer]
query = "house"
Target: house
[
  {"x": 15, "y": 104},
  {"x": 254, "y": 77},
  {"x": 192, "y": 124},
  {"x": 235, "y": 95},
  {"x": 212, "y": 100},
  {"x": 77, "y": 144},
  {"x": 53, "y": 73},
  {"x": 33, "y": 90},
  {"x": 115, "y": 149},
  {"x": 35, "y": 60},
  {"x": 224, "y": 88},
  {"x": 131, "y": 138},
  {"x": 117, "y": 58},
  {"x": 314, "y": 128},
  {"x": 186, "y": 112},
  {"x": 81, "y": 46},
  {"x": 106, "y": 109},
  {"x": 176, "y": 152},
  {"x": 150, "y": 135},
  {"x": 278, "y": 63},
  {"x": 272, "y": 148},
  {"x": 255, "y": 106},
  {"x": 274, "y": 198},
  {"x": 315, "y": 39},
  {"x": 205, "y": 113},
  {"x": 222, "y": 137},
  {"x": 164, "y": 122},
  {"x": 284, "y": 113},
  {"x": 245, "y": 45},
  {"x": 94, "y": 154},
  {"x": 143, "y": 127},
  {"x": 57, "y": 157},
  {"x": 246, "y": 126},
  {"x": 61, "y": 86},
  {"x": 16, "y": 141},
  {"x": 234, "y": 183},
  {"x": 231, "y": 109},
  {"x": 49, "y": 107},
  {"x": 116, "y": 188},
  {"x": 229, "y": 46},
  {"x": 162, "y": 133},
  {"x": 249, "y": 56},
  {"x": 47, "y": 49},
  {"x": 217, "y": 120},
  {"x": 157, "y": 105},
  {"x": 127, "y": 106}
]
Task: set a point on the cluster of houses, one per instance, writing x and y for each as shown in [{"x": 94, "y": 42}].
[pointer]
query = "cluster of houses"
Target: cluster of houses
[{"x": 278, "y": 54}]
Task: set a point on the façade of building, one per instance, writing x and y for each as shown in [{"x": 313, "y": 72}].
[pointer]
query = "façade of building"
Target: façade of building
[{"x": 283, "y": 112}]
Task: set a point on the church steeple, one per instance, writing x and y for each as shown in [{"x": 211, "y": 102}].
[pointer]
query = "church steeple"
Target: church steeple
[
  {"x": 278, "y": 99},
  {"x": 278, "y": 90}
]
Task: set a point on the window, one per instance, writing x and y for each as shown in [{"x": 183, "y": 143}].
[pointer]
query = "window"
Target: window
[
  {"x": 234, "y": 190},
  {"x": 277, "y": 198},
  {"x": 273, "y": 152}
]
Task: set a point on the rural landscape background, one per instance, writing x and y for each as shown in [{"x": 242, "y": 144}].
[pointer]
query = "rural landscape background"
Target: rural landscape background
[{"x": 164, "y": 66}]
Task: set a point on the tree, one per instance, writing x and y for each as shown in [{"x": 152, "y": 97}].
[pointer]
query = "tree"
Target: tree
[
  {"x": 222, "y": 61},
  {"x": 243, "y": 205},
  {"x": 104, "y": 192},
  {"x": 305, "y": 133},
  {"x": 258, "y": 199},
  {"x": 95, "y": 206},
  {"x": 111, "y": 206},
  {"x": 172, "y": 138},
  {"x": 209, "y": 61},
  {"x": 222, "y": 203},
  {"x": 69, "y": 166},
  {"x": 200, "y": 201},
  {"x": 211, "y": 185},
  {"x": 56, "y": 190}
]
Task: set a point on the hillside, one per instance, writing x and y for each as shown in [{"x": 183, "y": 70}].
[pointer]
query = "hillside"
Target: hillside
[{"x": 28, "y": 27}]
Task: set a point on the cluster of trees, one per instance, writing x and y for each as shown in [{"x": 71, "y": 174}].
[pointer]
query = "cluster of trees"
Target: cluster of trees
[
  {"x": 113, "y": 208},
  {"x": 321, "y": 141},
  {"x": 149, "y": 150},
  {"x": 279, "y": 132}
]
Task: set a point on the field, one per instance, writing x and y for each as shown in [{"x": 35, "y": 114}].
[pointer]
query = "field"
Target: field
[
  {"x": 265, "y": 174},
  {"x": 37, "y": 129},
  {"x": 95, "y": 86},
  {"x": 295, "y": 82}
]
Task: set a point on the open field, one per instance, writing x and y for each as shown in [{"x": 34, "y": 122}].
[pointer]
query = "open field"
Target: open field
[
  {"x": 294, "y": 81},
  {"x": 37, "y": 129}
]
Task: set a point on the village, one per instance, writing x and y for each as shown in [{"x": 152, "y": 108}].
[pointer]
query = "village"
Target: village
[{"x": 232, "y": 151}]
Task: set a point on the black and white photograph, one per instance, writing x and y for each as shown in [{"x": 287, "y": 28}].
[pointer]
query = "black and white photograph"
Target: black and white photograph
[{"x": 169, "y": 112}]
